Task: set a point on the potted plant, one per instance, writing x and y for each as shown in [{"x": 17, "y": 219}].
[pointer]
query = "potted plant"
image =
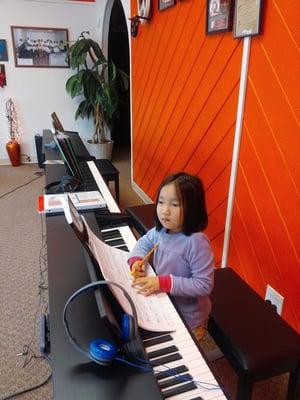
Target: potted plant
[{"x": 98, "y": 81}]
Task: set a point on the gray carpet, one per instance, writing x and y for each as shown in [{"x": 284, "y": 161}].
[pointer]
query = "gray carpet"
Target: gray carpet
[
  {"x": 21, "y": 241},
  {"x": 23, "y": 282}
]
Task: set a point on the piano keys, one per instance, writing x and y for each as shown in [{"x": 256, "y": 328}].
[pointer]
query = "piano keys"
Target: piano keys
[{"x": 179, "y": 367}]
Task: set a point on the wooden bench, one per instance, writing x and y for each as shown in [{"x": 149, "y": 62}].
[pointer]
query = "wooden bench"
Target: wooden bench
[{"x": 255, "y": 340}]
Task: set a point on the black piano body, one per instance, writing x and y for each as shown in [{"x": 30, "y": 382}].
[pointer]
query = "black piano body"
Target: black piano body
[{"x": 74, "y": 376}]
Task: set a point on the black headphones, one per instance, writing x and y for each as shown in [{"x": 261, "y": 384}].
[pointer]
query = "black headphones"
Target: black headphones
[
  {"x": 66, "y": 184},
  {"x": 102, "y": 351}
]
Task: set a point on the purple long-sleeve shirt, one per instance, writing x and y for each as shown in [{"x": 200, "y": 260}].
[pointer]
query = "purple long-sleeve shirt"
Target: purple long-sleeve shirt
[{"x": 190, "y": 262}]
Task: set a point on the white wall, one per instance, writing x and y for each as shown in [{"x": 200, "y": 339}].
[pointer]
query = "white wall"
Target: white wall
[{"x": 39, "y": 91}]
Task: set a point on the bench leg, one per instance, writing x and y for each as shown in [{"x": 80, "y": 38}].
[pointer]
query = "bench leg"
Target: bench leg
[
  {"x": 117, "y": 189},
  {"x": 244, "y": 390},
  {"x": 294, "y": 385}
]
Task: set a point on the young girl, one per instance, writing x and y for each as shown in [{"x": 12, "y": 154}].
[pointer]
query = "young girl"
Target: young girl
[{"x": 183, "y": 260}]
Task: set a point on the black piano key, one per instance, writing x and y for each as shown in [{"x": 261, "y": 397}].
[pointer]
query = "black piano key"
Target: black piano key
[
  {"x": 171, "y": 371},
  {"x": 179, "y": 389},
  {"x": 175, "y": 380},
  {"x": 125, "y": 248},
  {"x": 115, "y": 242},
  {"x": 101, "y": 211},
  {"x": 111, "y": 234},
  {"x": 197, "y": 398},
  {"x": 167, "y": 359},
  {"x": 162, "y": 352},
  {"x": 157, "y": 340},
  {"x": 151, "y": 334}
]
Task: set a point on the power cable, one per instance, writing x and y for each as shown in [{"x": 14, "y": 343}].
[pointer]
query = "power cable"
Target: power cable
[{"x": 25, "y": 184}]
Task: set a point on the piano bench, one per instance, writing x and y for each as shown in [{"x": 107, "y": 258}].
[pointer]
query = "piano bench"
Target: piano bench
[
  {"x": 142, "y": 217},
  {"x": 255, "y": 340},
  {"x": 109, "y": 173}
]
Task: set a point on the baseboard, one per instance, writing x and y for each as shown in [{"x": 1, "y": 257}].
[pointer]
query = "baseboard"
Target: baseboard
[
  {"x": 146, "y": 199},
  {"x": 6, "y": 161}
]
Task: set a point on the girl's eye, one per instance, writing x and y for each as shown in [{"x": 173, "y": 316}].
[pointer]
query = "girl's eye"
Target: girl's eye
[
  {"x": 175, "y": 204},
  {"x": 160, "y": 202}
]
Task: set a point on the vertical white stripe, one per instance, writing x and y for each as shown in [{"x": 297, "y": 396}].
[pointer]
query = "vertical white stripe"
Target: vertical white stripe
[{"x": 236, "y": 147}]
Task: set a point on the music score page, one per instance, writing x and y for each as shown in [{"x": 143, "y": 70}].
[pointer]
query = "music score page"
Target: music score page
[{"x": 114, "y": 267}]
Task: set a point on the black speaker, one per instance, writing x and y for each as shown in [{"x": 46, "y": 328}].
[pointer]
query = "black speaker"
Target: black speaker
[{"x": 39, "y": 150}]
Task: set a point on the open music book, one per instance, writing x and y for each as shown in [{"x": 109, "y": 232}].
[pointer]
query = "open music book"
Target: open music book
[{"x": 113, "y": 266}]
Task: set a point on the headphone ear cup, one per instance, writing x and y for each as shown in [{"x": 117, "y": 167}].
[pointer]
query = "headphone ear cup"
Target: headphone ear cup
[
  {"x": 102, "y": 351},
  {"x": 127, "y": 328}
]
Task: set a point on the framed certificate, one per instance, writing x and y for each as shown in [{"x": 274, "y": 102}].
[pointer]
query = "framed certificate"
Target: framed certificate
[
  {"x": 164, "y": 4},
  {"x": 218, "y": 16},
  {"x": 247, "y": 18}
]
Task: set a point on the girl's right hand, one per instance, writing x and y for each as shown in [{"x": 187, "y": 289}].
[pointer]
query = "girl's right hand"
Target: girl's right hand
[{"x": 138, "y": 269}]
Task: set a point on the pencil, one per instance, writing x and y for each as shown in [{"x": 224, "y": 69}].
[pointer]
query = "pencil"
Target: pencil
[{"x": 148, "y": 255}]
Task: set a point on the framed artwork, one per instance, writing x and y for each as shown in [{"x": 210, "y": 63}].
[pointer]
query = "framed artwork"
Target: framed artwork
[
  {"x": 3, "y": 50},
  {"x": 2, "y": 75},
  {"x": 247, "y": 18},
  {"x": 164, "y": 4},
  {"x": 40, "y": 47},
  {"x": 218, "y": 16}
]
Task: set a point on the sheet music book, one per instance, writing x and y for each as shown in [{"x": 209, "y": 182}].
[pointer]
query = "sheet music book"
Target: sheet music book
[
  {"x": 112, "y": 263},
  {"x": 51, "y": 203},
  {"x": 65, "y": 147}
]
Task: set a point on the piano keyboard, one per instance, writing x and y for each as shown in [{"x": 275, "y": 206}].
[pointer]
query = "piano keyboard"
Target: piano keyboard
[{"x": 190, "y": 378}]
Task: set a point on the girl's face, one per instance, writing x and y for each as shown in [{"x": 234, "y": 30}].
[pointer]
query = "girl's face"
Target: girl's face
[{"x": 169, "y": 209}]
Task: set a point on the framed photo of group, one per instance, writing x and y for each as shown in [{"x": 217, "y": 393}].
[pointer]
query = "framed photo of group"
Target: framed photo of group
[
  {"x": 40, "y": 47},
  {"x": 247, "y": 18},
  {"x": 218, "y": 16}
]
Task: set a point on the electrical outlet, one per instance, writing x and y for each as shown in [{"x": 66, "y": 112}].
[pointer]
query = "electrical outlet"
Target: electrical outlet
[{"x": 275, "y": 298}]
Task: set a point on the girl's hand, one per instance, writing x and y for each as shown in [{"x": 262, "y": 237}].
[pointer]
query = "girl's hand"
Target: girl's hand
[
  {"x": 138, "y": 269},
  {"x": 149, "y": 285}
]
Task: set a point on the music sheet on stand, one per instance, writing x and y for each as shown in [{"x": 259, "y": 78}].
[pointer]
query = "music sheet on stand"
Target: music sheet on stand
[{"x": 114, "y": 267}]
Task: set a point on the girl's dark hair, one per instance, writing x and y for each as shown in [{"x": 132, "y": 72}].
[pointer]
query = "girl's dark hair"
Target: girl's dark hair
[{"x": 190, "y": 192}]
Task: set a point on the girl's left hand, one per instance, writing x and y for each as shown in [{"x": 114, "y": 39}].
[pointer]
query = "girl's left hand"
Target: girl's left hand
[{"x": 149, "y": 285}]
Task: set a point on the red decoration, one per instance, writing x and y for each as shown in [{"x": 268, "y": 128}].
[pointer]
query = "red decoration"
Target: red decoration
[{"x": 2, "y": 76}]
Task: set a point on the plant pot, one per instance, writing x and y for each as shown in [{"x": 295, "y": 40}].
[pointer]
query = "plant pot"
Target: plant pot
[
  {"x": 13, "y": 150},
  {"x": 100, "y": 150}
]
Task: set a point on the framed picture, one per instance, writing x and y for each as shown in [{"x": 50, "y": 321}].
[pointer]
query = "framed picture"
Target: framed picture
[
  {"x": 40, "y": 47},
  {"x": 218, "y": 16},
  {"x": 164, "y": 4},
  {"x": 247, "y": 18},
  {"x": 2, "y": 75},
  {"x": 3, "y": 50}
]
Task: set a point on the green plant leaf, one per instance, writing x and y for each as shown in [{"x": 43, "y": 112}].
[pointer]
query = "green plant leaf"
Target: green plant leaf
[{"x": 97, "y": 79}]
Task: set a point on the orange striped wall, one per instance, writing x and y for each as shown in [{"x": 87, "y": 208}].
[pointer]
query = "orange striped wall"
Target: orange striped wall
[
  {"x": 185, "y": 90},
  {"x": 265, "y": 233}
]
